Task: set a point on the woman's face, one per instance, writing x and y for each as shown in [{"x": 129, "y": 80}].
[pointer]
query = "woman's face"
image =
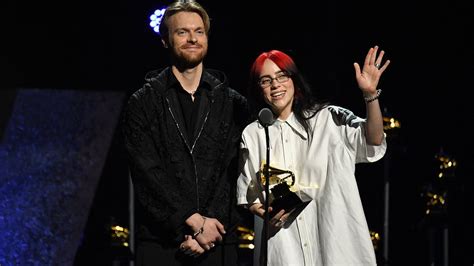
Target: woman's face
[{"x": 277, "y": 88}]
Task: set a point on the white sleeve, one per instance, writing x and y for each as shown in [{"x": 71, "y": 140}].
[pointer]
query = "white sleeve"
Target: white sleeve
[{"x": 248, "y": 189}]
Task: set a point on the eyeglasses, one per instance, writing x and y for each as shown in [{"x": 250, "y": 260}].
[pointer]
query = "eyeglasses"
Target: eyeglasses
[{"x": 266, "y": 81}]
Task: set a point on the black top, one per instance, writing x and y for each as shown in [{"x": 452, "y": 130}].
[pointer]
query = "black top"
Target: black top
[
  {"x": 175, "y": 175},
  {"x": 189, "y": 107}
]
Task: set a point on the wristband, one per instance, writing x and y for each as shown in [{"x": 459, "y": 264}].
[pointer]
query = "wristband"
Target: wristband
[
  {"x": 201, "y": 230},
  {"x": 373, "y": 98}
]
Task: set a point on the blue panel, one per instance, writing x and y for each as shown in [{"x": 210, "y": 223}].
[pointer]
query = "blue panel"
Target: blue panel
[{"x": 51, "y": 158}]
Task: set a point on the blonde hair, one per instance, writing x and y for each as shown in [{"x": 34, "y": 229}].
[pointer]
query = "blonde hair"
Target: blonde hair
[{"x": 183, "y": 6}]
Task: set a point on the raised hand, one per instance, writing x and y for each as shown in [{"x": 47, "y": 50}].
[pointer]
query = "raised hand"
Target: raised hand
[{"x": 369, "y": 77}]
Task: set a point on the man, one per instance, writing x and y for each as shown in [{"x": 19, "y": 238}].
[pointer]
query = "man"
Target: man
[{"x": 182, "y": 131}]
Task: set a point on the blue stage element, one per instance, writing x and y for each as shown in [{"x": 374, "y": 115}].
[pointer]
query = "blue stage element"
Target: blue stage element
[
  {"x": 155, "y": 19},
  {"x": 51, "y": 158}
]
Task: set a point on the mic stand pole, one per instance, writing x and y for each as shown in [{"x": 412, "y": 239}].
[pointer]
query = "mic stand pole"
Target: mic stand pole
[{"x": 267, "y": 194}]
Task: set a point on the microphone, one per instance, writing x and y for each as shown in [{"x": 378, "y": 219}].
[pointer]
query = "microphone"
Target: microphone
[{"x": 265, "y": 117}]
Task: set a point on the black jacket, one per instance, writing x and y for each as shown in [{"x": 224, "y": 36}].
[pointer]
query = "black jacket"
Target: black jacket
[{"x": 173, "y": 178}]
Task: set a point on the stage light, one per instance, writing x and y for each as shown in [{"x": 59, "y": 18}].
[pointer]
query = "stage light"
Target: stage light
[{"x": 155, "y": 19}]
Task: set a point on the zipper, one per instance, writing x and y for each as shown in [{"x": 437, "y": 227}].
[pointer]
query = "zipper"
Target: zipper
[{"x": 190, "y": 149}]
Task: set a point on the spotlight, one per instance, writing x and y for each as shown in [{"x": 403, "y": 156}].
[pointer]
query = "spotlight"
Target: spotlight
[{"x": 155, "y": 19}]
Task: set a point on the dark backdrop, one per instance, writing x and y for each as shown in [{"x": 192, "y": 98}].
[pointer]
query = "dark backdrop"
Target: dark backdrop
[{"x": 107, "y": 45}]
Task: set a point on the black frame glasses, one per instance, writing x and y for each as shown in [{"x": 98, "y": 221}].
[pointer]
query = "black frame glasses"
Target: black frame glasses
[{"x": 267, "y": 81}]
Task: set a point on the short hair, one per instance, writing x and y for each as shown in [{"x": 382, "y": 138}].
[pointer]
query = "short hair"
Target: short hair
[{"x": 183, "y": 6}]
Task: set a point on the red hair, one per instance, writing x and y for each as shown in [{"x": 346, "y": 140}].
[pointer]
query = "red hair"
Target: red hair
[
  {"x": 305, "y": 105},
  {"x": 282, "y": 60}
]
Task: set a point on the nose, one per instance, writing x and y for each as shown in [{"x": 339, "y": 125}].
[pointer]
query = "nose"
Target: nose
[
  {"x": 274, "y": 84},
  {"x": 192, "y": 38}
]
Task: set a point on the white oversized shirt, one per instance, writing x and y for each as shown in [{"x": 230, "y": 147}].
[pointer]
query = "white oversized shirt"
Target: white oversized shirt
[{"x": 332, "y": 229}]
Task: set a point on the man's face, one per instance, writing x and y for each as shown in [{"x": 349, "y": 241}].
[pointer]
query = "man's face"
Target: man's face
[{"x": 187, "y": 38}]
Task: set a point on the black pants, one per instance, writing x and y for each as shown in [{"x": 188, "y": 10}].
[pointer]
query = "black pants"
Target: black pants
[{"x": 153, "y": 254}]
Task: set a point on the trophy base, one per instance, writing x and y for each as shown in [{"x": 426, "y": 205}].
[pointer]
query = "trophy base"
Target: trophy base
[{"x": 292, "y": 204}]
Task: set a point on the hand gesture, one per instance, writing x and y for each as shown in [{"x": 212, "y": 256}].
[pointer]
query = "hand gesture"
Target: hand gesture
[
  {"x": 191, "y": 247},
  {"x": 212, "y": 232},
  {"x": 368, "y": 78},
  {"x": 258, "y": 209},
  {"x": 275, "y": 223}
]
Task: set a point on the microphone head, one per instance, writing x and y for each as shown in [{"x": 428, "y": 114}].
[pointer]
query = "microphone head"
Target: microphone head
[{"x": 265, "y": 117}]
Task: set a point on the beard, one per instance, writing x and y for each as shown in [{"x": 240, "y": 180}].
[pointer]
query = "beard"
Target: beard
[{"x": 184, "y": 60}]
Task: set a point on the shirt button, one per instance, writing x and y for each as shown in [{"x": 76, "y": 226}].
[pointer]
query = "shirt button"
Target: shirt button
[
  {"x": 305, "y": 245},
  {"x": 300, "y": 218}
]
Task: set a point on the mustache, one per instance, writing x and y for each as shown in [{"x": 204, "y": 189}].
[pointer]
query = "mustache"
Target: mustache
[{"x": 191, "y": 45}]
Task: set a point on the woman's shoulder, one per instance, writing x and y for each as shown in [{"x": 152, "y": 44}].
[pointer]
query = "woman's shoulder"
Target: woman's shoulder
[
  {"x": 252, "y": 127},
  {"x": 326, "y": 110},
  {"x": 341, "y": 115},
  {"x": 330, "y": 110}
]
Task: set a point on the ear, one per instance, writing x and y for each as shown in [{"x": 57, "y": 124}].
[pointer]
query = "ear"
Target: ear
[{"x": 165, "y": 44}]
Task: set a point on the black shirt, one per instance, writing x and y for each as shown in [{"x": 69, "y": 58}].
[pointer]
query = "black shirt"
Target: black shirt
[{"x": 189, "y": 107}]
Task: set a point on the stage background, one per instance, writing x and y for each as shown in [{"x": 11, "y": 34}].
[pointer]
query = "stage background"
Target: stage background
[{"x": 95, "y": 54}]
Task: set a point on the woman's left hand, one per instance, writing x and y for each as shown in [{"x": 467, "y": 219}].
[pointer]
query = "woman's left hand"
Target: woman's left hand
[{"x": 368, "y": 78}]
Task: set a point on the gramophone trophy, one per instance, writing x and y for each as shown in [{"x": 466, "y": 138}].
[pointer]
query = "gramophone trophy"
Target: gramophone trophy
[{"x": 281, "y": 194}]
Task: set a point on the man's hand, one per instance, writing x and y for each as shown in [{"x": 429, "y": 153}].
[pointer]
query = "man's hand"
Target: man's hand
[
  {"x": 206, "y": 230},
  {"x": 191, "y": 247}
]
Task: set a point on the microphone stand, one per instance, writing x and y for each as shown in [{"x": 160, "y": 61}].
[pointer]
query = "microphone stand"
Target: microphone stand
[
  {"x": 265, "y": 117},
  {"x": 267, "y": 195}
]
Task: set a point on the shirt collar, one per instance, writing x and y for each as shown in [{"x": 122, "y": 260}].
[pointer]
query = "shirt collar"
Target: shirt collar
[
  {"x": 294, "y": 125},
  {"x": 173, "y": 82}
]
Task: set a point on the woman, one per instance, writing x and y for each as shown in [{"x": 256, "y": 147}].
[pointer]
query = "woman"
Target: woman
[{"x": 321, "y": 145}]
